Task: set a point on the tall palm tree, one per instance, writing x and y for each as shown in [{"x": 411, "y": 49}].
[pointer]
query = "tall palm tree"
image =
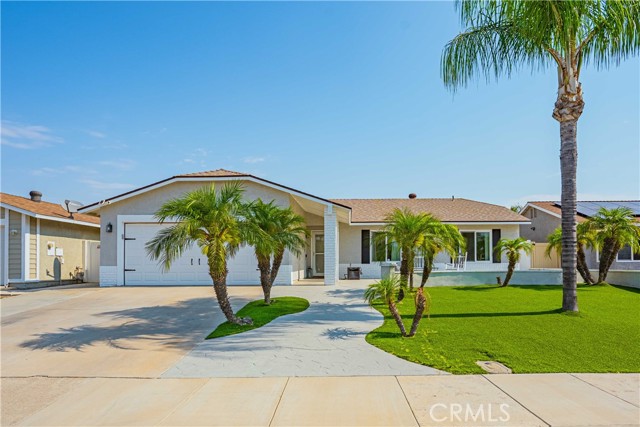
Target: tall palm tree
[
  {"x": 585, "y": 238},
  {"x": 513, "y": 248},
  {"x": 407, "y": 229},
  {"x": 438, "y": 238},
  {"x": 614, "y": 228},
  {"x": 387, "y": 290},
  {"x": 501, "y": 37},
  {"x": 282, "y": 229},
  {"x": 215, "y": 221}
]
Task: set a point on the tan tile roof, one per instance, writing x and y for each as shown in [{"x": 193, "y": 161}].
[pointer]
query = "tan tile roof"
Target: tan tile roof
[
  {"x": 457, "y": 210},
  {"x": 218, "y": 173},
  {"x": 45, "y": 208}
]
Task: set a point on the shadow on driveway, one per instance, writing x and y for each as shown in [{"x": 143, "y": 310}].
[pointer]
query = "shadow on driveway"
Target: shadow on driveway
[{"x": 180, "y": 325}]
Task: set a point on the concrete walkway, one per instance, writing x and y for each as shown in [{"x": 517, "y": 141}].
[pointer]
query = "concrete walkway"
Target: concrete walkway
[
  {"x": 492, "y": 400},
  {"x": 328, "y": 339}
]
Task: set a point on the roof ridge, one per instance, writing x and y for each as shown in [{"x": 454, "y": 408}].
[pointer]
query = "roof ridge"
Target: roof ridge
[{"x": 234, "y": 173}]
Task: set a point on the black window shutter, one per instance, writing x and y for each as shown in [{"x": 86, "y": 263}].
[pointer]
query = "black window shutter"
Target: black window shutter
[
  {"x": 495, "y": 238},
  {"x": 366, "y": 243}
]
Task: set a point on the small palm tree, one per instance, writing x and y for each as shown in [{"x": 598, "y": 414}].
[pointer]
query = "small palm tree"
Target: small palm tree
[
  {"x": 282, "y": 229},
  {"x": 408, "y": 230},
  {"x": 438, "y": 238},
  {"x": 585, "y": 239},
  {"x": 512, "y": 249},
  {"x": 502, "y": 37},
  {"x": 387, "y": 290},
  {"x": 613, "y": 228},
  {"x": 215, "y": 221}
]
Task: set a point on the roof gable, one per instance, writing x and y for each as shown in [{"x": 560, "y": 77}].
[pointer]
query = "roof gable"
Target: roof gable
[{"x": 218, "y": 174}]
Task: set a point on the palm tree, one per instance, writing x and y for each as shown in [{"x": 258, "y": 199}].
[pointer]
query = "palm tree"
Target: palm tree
[
  {"x": 613, "y": 228},
  {"x": 438, "y": 238},
  {"x": 215, "y": 221},
  {"x": 585, "y": 239},
  {"x": 504, "y": 36},
  {"x": 513, "y": 249},
  {"x": 407, "y": 229},
  {"x": 387, "y": 290},
  {"x": 281, "y": 229}
]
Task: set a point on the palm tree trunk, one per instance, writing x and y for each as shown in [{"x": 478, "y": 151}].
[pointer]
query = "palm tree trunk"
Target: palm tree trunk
[
  {"x": 394, "y": 312},
  {"x": 606, "y": 255},
  {"x": 612, "y": 257},
  {"x": 583, "y": 268},
  {"x": 277, "y": 261},
  {"x": 404, "y": 269},
  {"x": 410, "y": 267},
  {"x": 421, "y": 303},
  {"x": 568, "y": 171},
  {"x": 426, "y": 270},
  {"x": 220, "y": 288},
  {"x": 264, "y": 265},
  {"x": 510, "y": 268}
]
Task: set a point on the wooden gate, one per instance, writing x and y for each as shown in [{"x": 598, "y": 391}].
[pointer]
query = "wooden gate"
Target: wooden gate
[{"x": 540, "y": 260}]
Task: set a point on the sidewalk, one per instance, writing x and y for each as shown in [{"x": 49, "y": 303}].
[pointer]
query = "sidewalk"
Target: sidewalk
[{"x": 514, "y": 400}]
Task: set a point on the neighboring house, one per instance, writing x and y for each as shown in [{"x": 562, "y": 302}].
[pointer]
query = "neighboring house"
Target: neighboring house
[
  {"x": 40, "y": 243},
  {"x": 341, "y": 233},
  {"x": 545, "y": 216}
]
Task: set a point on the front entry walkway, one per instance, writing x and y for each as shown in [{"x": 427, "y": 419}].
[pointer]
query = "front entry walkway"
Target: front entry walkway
[{"x": 328, "y": 339}]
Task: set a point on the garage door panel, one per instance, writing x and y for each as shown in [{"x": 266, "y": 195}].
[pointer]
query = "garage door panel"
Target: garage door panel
[{"x": 190, "y": 269}]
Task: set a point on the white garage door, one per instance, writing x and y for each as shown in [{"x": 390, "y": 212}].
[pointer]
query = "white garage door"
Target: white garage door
[{"x": 190, "y": 269}]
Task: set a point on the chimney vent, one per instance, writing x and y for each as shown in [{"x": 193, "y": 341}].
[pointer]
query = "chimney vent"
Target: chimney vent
[
  {"x": 36, "y": 196},
  {"x": 412, "y": 196}
]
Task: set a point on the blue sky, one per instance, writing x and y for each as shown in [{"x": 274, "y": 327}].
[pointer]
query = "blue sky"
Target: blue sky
[{"x": 336, "y": 99}]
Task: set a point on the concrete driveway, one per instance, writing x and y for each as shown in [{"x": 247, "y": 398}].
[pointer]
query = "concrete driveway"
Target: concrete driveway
[
  {"x": 107, "y": 332},
  {"x": 145, "y": 332}
]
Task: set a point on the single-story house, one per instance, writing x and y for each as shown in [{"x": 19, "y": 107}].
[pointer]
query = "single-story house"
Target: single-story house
[
  {"x": 545, "y": 217},
  {"x": 41, "y": 243},
  {"x": 341, "y": 233}
]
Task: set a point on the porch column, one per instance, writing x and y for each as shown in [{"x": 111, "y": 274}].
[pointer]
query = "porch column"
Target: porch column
[{"x": 331, "y": 243}]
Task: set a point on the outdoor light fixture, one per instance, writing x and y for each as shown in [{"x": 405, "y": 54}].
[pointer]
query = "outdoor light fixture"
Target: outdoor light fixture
[
  {"x": 533, "y": 228},
  {"x": 109, "y": 228}
]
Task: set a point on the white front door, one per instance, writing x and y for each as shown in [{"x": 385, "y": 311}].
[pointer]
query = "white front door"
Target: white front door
[{"x": 317, "y": 250}]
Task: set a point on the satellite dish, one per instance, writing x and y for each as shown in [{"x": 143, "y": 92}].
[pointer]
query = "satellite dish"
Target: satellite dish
[{"x": 72, "y": 206}]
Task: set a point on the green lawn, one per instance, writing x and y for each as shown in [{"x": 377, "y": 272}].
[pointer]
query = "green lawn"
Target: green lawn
[
  {"x": 261, "y": 314},
  {"x": 521, "y": 327}
]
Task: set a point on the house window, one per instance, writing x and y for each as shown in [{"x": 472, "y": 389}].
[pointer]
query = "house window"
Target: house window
[
  {"x": 382, "y": 249},
  {"x": 626, "y": 254},
  {"x": 478, "y": 245}
]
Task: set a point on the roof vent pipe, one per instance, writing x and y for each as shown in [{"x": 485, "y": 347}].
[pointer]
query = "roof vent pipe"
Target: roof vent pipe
[
  {"x": 35, "y": 196},
  {"x": 412, "y": 196}
]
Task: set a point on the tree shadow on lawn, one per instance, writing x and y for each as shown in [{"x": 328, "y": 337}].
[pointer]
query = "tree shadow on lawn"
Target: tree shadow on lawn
[
  {"x": 179, "y": 326},
  {"x": 486, "y": 288},
  {"x": 504, "y": 314}
]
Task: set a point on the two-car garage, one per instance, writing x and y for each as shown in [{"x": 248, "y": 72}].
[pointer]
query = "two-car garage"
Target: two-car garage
[{"x": 190, "y": 269}]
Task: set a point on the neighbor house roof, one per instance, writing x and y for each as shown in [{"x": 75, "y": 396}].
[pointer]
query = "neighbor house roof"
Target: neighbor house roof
[
  {"x": 46, "y": 210},
  {"x": 585, "y": 208},
  {"x": 447, "y": 210}
]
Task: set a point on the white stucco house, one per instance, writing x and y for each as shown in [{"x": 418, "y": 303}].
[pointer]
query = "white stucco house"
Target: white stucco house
[{"x": 341, "y": 233}]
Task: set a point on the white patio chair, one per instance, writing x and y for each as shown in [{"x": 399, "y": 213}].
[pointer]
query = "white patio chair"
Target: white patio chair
[{"x": 459, "y": 263}]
